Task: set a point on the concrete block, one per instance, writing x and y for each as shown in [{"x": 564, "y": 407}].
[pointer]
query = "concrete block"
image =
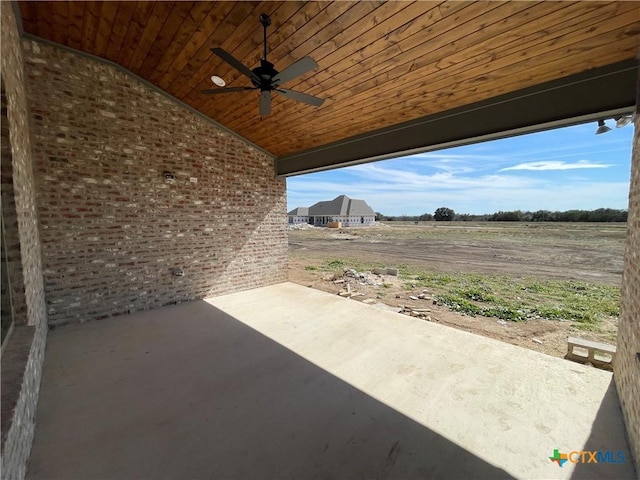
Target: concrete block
[{"x": 592, "y": 348}]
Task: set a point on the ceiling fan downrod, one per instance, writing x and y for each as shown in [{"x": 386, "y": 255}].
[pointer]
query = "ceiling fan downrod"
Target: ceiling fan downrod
[{"x": 266, "y": 21}]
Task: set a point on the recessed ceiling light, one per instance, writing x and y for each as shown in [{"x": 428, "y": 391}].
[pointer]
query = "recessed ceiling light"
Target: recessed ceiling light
[{"x": 218, "y": 81}]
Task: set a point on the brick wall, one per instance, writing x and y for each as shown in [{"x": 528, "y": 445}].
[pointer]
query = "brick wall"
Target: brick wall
[
  {"x": 627, "y": 365},
  {"x": 11, "y": 254},
  {"x": 113, "y": 228},
  {"x": 23, "y": 355}
]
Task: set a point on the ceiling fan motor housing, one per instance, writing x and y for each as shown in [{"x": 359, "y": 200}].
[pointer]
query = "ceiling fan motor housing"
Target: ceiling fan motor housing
[{"x": 265, "y": 72}]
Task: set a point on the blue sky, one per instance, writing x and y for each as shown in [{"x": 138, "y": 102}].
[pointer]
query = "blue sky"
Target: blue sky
[{"x": 561, "y": 169}]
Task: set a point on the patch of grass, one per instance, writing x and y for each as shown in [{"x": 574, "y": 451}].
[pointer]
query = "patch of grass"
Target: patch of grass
[
  {"x": 478, "y": 293},
  {"x": 335, "y": 264},
  {"x": 310, "y": 268},
  {"x": 423, "y": 278},
  {"x": 528, "y": 298},
  {"x": 506, "y": 297},
  {"x": 386, "y": 285},
  {"x": 340, "y": 263}
]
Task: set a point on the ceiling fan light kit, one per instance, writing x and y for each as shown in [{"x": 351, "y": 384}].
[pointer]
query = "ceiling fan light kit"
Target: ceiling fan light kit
[
  {"x": 266, "y": 78},
  {"x": 218, "y": 80}
]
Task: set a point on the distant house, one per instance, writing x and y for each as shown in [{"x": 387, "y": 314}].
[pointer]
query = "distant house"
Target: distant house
[
  {"x": 299, "y": 215},
  {"x": 350, "y": 212}
]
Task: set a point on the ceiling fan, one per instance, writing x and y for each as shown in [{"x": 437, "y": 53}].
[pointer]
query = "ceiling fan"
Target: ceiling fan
[{"x": 266, "y": 78}]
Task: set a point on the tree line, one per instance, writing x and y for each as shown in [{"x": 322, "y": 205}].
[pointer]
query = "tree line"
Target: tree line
[{"x": 444, "y": 214}]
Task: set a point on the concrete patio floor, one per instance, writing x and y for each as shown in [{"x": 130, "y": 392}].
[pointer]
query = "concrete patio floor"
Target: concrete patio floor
[{"x": 289, "y": 382}]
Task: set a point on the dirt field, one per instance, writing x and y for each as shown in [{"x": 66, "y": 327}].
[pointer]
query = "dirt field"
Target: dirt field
[{"x": 584, "y": 252}]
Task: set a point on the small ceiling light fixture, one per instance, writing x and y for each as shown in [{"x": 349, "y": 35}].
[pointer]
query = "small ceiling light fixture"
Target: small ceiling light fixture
[
  {"x": 602, "y": 128},
  {"x": 623, "y": 121},
  {"x": 218, "y": 81}
]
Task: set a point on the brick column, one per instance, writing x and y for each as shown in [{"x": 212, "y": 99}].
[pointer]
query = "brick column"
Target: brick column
[{"x": 627, "y": 365}]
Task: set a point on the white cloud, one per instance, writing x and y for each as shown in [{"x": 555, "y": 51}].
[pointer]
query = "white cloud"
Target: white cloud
[
  {"x": 556, "y": 165},
  {"x": 375, "y": 178}
]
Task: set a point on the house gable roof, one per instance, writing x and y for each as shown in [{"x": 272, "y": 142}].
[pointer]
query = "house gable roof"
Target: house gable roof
[
  {"x": 299, "y": 212},
  {"x": 341, "y": 206}
]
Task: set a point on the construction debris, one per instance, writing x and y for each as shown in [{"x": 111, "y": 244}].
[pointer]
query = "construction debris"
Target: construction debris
[
  {"x": 423, "y": 313},
  {"x": 348, "y": 293},
  {"x": 351, "y": 279},
  {"x": 385, "y": 271},
  {"x": 363, "y": 278},
  {"x": 300, "y": 226}
]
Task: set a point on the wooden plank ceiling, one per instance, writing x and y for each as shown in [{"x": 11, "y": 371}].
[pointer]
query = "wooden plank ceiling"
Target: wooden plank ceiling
[{"x": 380, "y": 63}]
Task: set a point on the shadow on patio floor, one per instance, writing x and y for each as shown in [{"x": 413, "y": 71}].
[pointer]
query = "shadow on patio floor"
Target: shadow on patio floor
[
  {"x": 615, "y": 463},
  {"x": 190, "y": 392}
]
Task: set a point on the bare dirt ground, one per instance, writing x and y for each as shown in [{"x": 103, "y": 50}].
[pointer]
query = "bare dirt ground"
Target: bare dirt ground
[{"x": 585, "y": 252}]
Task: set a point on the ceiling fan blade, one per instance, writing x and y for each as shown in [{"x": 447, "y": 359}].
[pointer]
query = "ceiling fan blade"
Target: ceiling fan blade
[
  {"x": 227, "y": 90},
  {"x": 235, "y": 63},
  {"x": 301, "y": 97},
  {"x": 265, "y": 103},
  {"x": 294, "y": 70}
]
